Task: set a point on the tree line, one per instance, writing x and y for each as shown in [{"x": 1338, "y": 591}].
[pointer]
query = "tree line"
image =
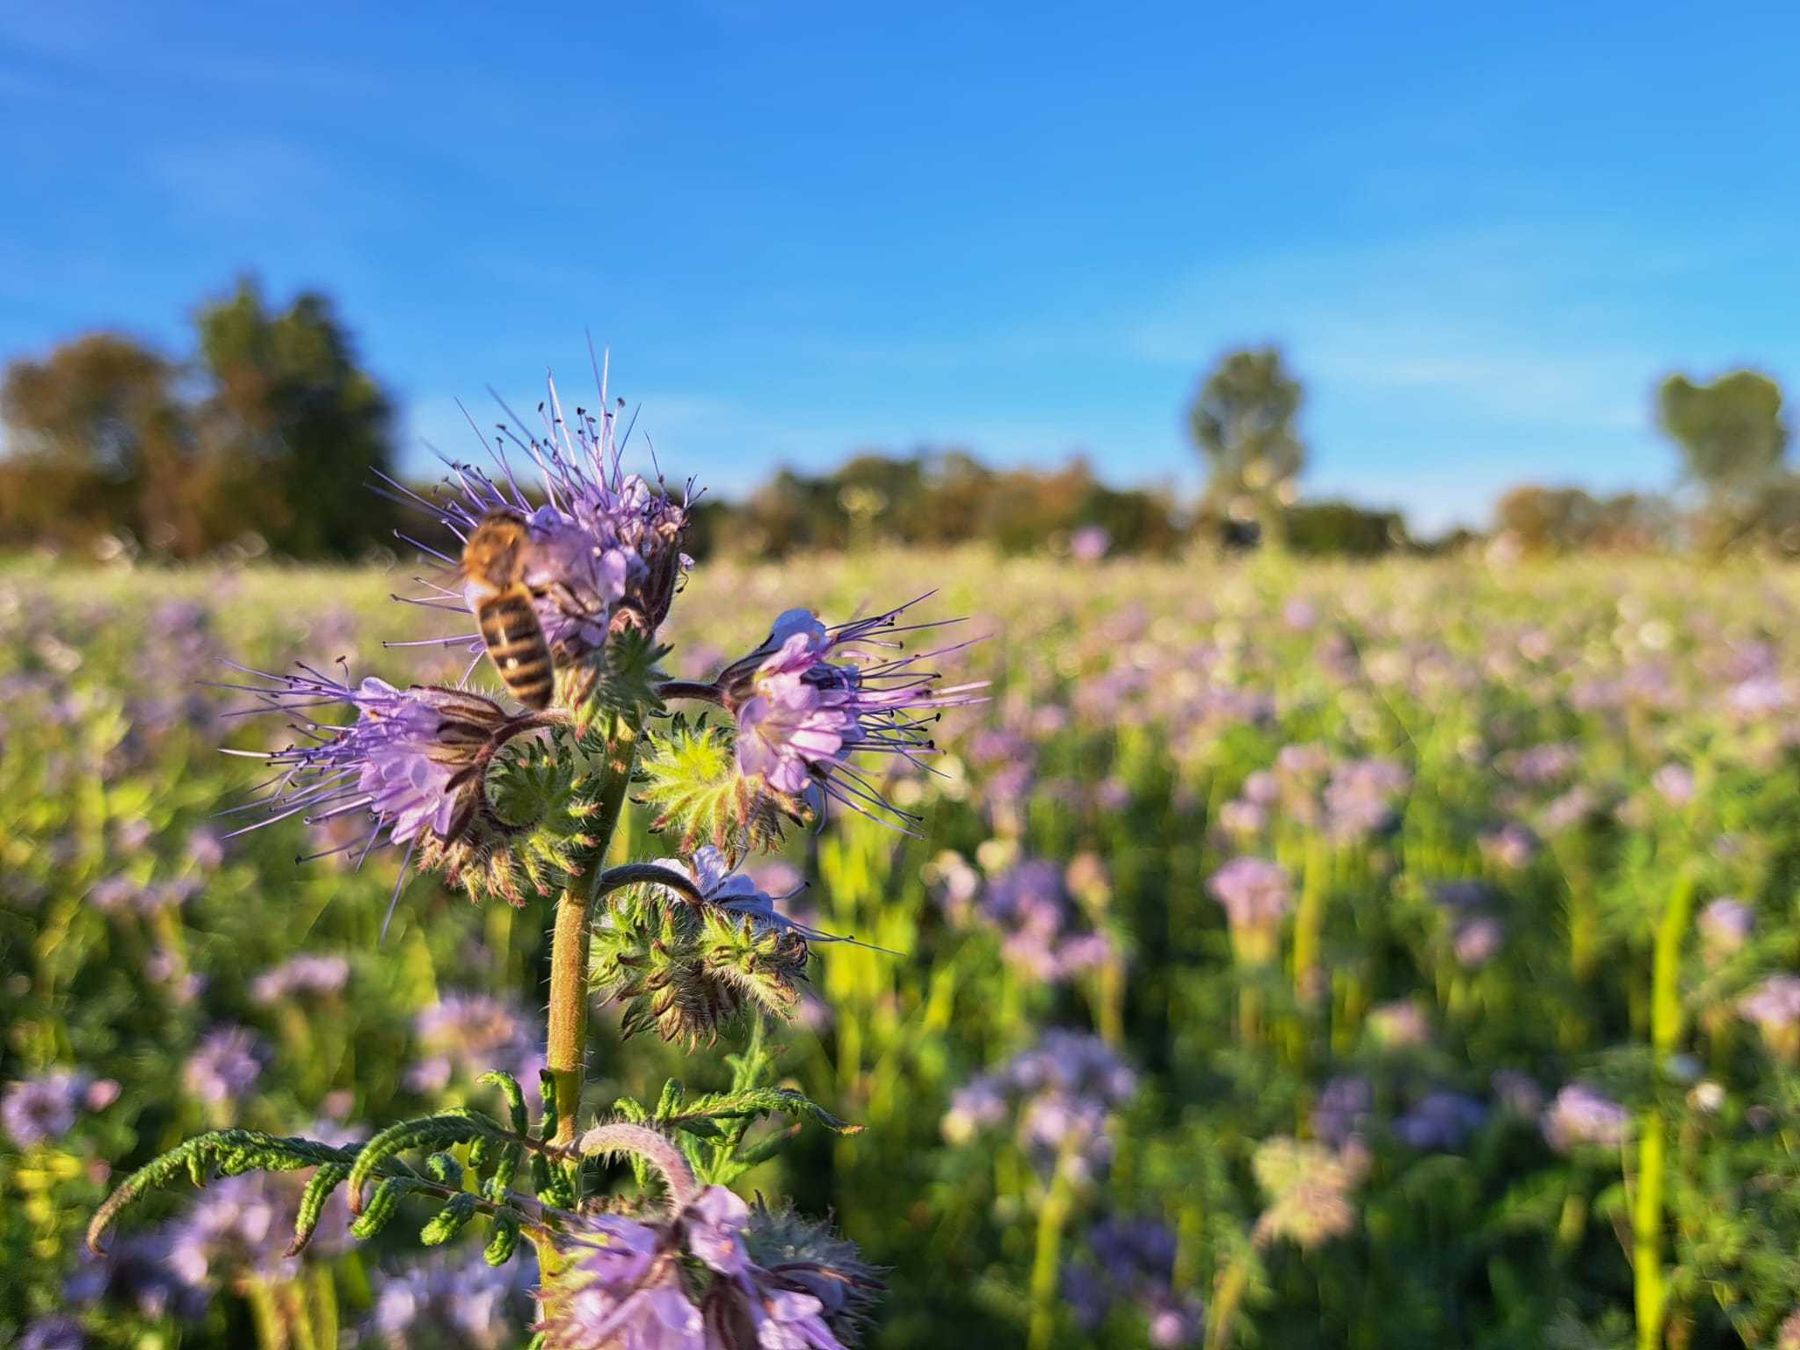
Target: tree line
[{"x": 270, "y": 435}]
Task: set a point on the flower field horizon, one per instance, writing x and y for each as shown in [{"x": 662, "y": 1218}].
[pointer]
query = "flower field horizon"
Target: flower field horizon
[{"x": 1286, "y": 954}]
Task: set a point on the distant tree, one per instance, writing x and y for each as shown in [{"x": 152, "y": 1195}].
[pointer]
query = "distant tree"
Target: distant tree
[
  {"x": 1242, "y": 420},
  {"x": 1562, "y": 520},
  {"x": 296, "y": 429},
  {"x": 1342, "y": 529},
  {"x": 1731, "y": 433},
  {"x": 98, "y": 442}
]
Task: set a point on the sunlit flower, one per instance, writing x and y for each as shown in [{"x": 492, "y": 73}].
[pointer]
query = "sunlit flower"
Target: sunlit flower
[
  {"x": 412, "y": 763},
  {"x": 445, "y": 1304},
  {"x": 1581, "y": 1115},
  {"x": 225, "y": 1066},
  {"x": 605, "y": 544},
  {"x": 1774, "y": 1005},
  {"x": 43, "y": 1109},
  {"x": 1308, "y": 1188},
  {"x": 302, "y": 976},
  {"x": 714, "y": 1274},
  {"x": 810, "y": 697}
]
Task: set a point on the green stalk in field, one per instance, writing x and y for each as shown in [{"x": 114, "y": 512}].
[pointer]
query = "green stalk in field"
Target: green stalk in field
[{"x": 1651, "y": 1286}]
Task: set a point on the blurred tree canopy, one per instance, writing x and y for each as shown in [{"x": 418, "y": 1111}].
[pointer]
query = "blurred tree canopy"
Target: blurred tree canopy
[
  {"x": 937, "y": 497},
  {"x": 299, "y": 425},
  {"x": 270, "y": 435},
  {"x": 1566, "y": 520},
  {"x": 1242, "y": 420},
  {"x": 1733, "y": 441},
  {"x": 1730, "y": 432},
  {"x": 1342, "y": 529}
]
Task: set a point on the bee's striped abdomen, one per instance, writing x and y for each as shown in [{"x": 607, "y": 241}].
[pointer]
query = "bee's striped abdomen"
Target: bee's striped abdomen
[{"x": 515, "y": 642}]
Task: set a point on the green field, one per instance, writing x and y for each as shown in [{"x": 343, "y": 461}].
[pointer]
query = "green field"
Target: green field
[{"x": 1483, "y": 1058}]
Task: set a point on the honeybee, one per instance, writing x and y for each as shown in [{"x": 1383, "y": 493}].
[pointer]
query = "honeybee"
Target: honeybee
[{"x": 494, "y": 559}]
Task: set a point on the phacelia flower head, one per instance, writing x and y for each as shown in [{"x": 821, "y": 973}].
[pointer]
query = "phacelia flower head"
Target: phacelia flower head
[
  {"x": 45, "y": 1108},
  {"x": 436, "y": 1303},
  {"x": 1040, "y": 928},
  {"x": 1344, "y": 1110},
  {"x": 462, "y": 1036},
  {"x": 1255, "y": 894},
  {"x": 415, "y": 768},
  {"x": 134, "y": 1273},
  {"x": 1063, "y": 1092},
  {"x": 1774, "y": 1005},
  {"x": 225, "y": 1066},
  {"x": 686, "y": 956},
  {"x": 1133, "y": 1260},
  {"x": 810, "y": 697},
  {"x": 304, "y": 976},
  {"x": 55, "y": 1332},
  {"x": 1309, "y": 1189},
  {"x": 1582, "y": 1115},
  {"x": 412, "y": 761},
  {"x": 714, "y": 1275},
  {"x": 604, "y": 546},
  {"x": 1440, "y": 1121}
]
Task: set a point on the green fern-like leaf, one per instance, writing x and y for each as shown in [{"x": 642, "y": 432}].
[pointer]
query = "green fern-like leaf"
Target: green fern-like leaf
[{"x": 225, "y": 1153}]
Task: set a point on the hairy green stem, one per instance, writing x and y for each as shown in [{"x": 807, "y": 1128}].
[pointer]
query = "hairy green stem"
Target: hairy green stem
[
  {"x": 1226, "y": 1296},
  {"x": 566, "y": 1043},
  {"x": 1047, "y": 1260},
  {"x": 1649, "y": 1284}
]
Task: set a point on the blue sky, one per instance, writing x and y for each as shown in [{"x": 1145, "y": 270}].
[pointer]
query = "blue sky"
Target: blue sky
[{"x": 1481, "y": 233}]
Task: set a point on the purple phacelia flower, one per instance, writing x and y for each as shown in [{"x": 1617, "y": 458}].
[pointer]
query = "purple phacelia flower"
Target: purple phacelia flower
[
  {"x": 737, "y": 893},
  {"x": 1725, "y": 926},
  {"x": 58, "y": 1331},
  {"x": 446, "y": 1304},
  {"x": 713, "y": 1274},
  {"x": 412, "y": 763},
  {"x": 1255, "y": 893},
  {"x": 225, "y": 1066},
  {"x": 1132, "y": 1261},
  {"x": 302, "y": 976},
  {"x": 1063, "y": 1091},
  {"x": 605, "y": 545},
  {"x": 134, "y": 1273},
  {"x": 43, "y": 1109},
  {"x": 1582, "y": 1115},
  {"x": 1477, "y": 940},
  {"x": 1774, "y": 1006},
  {"x": 1029, "y": 905},
  {"x": 463, "y": 1036},
  {"x": 1440, "y": 1121},
  {"x": 1359, "y": 798},
  {"x": 1344, "y": 1110},
  {"x": 810, "y": 697}
]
